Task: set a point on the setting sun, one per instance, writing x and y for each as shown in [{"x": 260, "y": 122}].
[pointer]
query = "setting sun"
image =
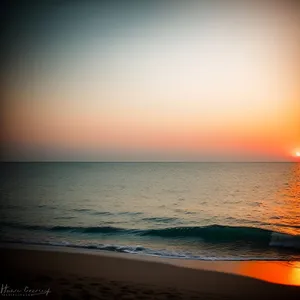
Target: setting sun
[{"x": 298, "y": 154}]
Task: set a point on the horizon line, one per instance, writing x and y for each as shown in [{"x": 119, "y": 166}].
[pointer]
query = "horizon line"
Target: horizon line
[{"x": 88, "y": 161}]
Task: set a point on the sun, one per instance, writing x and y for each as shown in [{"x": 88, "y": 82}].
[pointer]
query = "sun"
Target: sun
[{"x": 298, "y": 154}]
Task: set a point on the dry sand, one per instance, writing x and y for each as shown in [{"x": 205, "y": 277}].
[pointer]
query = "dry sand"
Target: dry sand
[{"x": 74, "y": 274}]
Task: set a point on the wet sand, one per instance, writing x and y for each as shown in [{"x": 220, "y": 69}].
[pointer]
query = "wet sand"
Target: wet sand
[{"x": 59, "y": 273}]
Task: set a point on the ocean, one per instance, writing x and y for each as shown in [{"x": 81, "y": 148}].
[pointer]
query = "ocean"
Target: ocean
[{"x": 202, "y": 211}]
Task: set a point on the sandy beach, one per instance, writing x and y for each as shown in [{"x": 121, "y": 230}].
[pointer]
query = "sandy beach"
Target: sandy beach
[{"x": 58, "y": 273}]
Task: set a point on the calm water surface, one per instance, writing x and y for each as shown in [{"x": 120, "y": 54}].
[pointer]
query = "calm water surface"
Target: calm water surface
[{"x": 240, "y": 211}]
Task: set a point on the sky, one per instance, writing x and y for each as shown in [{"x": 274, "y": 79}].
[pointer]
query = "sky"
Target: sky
[{"x": 152, "y": 81}]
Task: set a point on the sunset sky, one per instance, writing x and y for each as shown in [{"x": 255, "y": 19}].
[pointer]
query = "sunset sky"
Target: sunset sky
[{"x": 153, "y": 80}]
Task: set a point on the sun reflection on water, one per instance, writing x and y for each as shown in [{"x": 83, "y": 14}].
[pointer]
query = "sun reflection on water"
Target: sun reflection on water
[{"x": 288, "y": 207}]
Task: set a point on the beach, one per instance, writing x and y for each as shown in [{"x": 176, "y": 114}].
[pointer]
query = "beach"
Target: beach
[
  {"x": 150, "y": 150},
  {"x": 59, "y": 273}
]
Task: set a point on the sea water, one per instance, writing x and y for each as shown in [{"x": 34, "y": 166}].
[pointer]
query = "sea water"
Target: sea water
[{"x": 205, "y": 211}]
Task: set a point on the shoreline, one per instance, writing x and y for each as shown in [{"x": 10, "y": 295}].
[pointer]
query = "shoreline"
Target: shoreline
[
  {"x": 137, "y": 276},
  {"x": 247, "y": 268}
]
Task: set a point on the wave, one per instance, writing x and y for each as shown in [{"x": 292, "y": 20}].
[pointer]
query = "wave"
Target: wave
[
  {"x": 93, "y": 212},
  {"x": 209, "y": 234},
  {"x": 137, "y": 249},
  {"x": 212, "y": 233},
  {"x": 160, "y": 219}
]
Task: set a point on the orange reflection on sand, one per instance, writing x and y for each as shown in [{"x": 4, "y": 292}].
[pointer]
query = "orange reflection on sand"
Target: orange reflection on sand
[
  {"x": 294, "y": 277},
  {"x": 277, "y": 272}
]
